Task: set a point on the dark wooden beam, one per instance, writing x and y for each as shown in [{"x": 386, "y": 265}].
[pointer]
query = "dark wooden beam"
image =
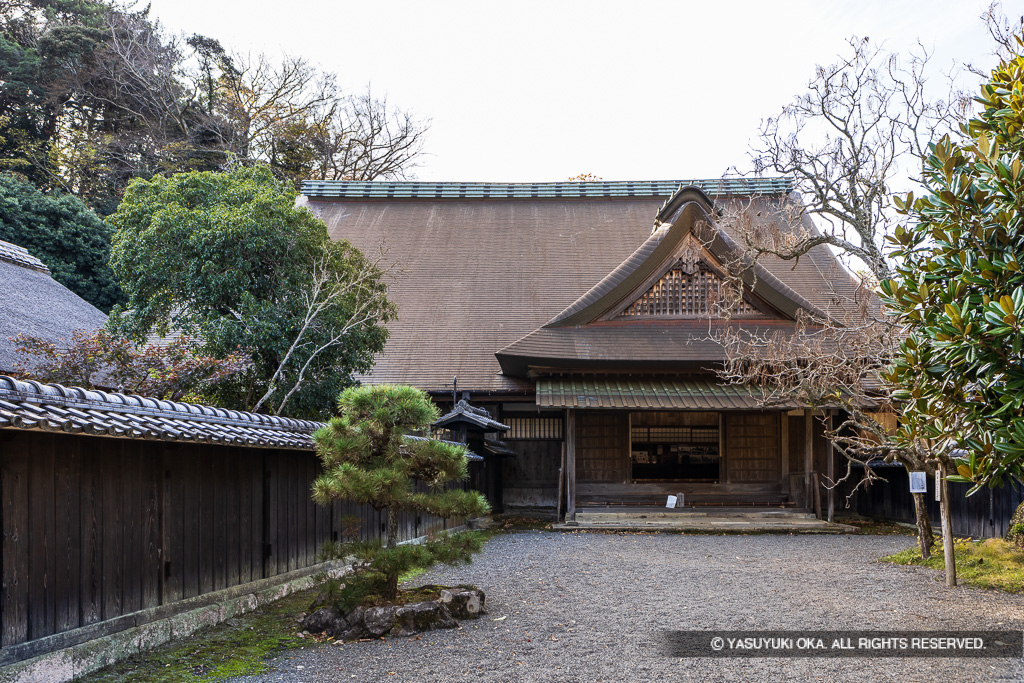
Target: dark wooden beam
[{"x": 570, "y": 465}]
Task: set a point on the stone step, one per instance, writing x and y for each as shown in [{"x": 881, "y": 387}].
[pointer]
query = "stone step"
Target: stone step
[
  {"x": 680, "y": 515},
  {"x": 715, "y": 525}
]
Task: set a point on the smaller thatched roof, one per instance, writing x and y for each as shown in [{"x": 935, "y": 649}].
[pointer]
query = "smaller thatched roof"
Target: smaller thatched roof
[{"x": 35, "y": 304}]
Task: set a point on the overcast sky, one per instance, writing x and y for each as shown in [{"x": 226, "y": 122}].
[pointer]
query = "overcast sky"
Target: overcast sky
[{"x": 540, "y": 91}]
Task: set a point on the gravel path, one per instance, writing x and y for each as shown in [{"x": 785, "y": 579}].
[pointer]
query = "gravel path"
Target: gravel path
[{"x": 590, "y": 607}]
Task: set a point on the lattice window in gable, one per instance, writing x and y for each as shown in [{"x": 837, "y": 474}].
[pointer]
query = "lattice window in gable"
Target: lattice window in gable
[{"x": 688, "y": 292}]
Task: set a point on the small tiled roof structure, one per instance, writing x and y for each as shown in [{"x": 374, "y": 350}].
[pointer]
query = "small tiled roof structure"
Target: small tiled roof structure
[
  {"x": 470, "y": 455},
  {"x": 472, "y": 416},
  {"x": 54, "y": 408},
  {"x": 35, "y": 304}
]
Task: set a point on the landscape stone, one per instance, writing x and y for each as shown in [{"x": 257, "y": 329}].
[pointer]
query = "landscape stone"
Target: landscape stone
[
  {"x": 463, "y": 602},
  {"x": 422, "y": 616}
]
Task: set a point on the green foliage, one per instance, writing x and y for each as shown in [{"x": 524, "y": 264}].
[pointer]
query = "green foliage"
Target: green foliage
[
  {"x": 960, "y": 290},
  {"x": 62, "y": 232},
  {"x": 367, "y": 459},
  {"x": 175, "y": 371},
  {"x": 227, "y": 258},
  {"x": 991, "y": 564},
  {"x": 94, "y": 93}
]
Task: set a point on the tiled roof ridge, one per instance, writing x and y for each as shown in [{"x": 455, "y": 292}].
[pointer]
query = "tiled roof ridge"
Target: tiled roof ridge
[
  {"x": 37, "y": 392},
  {"x": 412, "y": 189},
  {"x": 20, "y": 256},
  {"x": 481, "y": 414}
]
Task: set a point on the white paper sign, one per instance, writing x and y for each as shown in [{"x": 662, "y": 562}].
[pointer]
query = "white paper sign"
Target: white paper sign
[
  {"x": 671, "y": 503},
  {"x": 918, "y": 482},
  {"x": 938, "y": 486}
]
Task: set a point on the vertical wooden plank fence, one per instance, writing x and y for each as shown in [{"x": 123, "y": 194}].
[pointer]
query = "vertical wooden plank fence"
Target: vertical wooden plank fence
[
  {"x": 95, "y": 528},
  {"x": 986, "y": 514}
]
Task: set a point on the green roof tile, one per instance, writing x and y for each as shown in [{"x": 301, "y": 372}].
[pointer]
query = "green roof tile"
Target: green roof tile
[{"x": 346, "y": 189}]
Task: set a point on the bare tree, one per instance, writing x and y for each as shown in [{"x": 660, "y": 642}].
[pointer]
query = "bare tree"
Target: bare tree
[
  {"x": 319, "y": 328},
  {"x": 365, "y": 139},
  {"x": 859, "y": 130},
  {"x": 259, "y": 95},
  {"x": 864, "y": 122}
]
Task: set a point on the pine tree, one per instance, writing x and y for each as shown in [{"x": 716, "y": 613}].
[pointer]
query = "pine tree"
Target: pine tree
[{"x": 369, "y": 459}]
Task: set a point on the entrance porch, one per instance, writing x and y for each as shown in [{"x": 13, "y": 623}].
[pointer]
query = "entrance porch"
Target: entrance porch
[{"x": 741, "y": 459}]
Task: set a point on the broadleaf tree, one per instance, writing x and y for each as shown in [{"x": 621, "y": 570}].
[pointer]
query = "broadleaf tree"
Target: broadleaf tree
[
  {"x": 959, "y": 289},
  {"x": 368, "y": 459},
  {"x": 65, "y": 234},
  {"x": 228, "y": 259}
]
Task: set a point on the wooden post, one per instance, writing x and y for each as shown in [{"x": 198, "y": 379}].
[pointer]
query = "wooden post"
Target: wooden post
[
  {"x": 817, "y": 496},
  {"x": 784, "y": 448},
  {"x": 570, "y": 465},
  {"x": 830, "y": 470},
  {"x": 808, "y": 454},
  {"x": 947, "y": 528},
  {"x": 561, "y": 484}
]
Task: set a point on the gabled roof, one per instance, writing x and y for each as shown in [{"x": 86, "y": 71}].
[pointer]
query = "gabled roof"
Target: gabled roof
[
  {"x": 588, "y": 334},
  {"x": 692, "y": 215},
  {"x": 473, "y": 416},
  {"x": 476, "y": 273},
  {"x": 12, "y": 253},
  {"x": 35, "y": 304}
]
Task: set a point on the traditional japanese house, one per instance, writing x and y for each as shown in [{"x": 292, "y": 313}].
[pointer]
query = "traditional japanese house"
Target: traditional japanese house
[{"x": 587, "y": 317}]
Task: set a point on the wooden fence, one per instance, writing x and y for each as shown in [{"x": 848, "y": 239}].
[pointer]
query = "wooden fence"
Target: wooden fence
[
  {"x": 986, "y": 514},
  {"x": 95, "y": 528}
]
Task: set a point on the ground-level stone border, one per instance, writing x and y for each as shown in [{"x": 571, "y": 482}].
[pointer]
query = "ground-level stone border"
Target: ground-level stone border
[
  {"x": 82, "y": 651},
  {"x": 154, "y": 627}
]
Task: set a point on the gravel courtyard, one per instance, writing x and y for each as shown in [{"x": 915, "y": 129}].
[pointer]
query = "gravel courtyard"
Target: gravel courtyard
[{"x": 591, "y": 607}]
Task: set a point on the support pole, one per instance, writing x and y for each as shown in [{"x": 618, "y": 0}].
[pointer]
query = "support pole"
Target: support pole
[
  {"x": 561, "y": 485},
  {"x": 570, "y": 465},
  {"x": 947, "y": 528},
  {"x": 808, "y": 456},
  {"x": 784, "y": 448},
  {"x": 830, "y": 469}
]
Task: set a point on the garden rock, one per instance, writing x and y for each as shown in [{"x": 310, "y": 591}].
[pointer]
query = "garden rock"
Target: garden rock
[
  {"x": 379, "y": 620},
  {"x": 327, "y": 620},
  {"x": 422, "y": 616},
  {"x": 463, "y": 602}
]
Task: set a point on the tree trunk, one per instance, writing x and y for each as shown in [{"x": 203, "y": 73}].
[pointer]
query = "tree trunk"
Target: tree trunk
[
  {"x": 947, "y": 529},
  {"x": 391, "y": 588},
  {"x": 925, "y": 537}
]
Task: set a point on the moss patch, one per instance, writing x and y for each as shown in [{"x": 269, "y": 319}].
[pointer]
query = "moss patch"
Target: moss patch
[
  {"x": 513, "y": 523},
  {"x": 238, "y": 647},
  {"x": 991, "y": 564},
  {"x": 870, "y": 527}
]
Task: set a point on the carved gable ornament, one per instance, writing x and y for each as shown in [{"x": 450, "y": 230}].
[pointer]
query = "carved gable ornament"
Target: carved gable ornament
[{"x": 693, "y": 286}]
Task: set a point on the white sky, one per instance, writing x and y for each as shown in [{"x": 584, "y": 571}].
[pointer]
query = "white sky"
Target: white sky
[{"x": 540, "y": 91}]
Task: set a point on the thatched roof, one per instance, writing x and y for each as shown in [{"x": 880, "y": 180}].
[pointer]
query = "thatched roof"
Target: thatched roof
[
  {"x": 481, "y": 271},
  {"x": 35, "y": 304}
]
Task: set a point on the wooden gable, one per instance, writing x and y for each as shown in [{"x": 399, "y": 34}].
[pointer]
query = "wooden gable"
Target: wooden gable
[{"x": 694, "y": 285}]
